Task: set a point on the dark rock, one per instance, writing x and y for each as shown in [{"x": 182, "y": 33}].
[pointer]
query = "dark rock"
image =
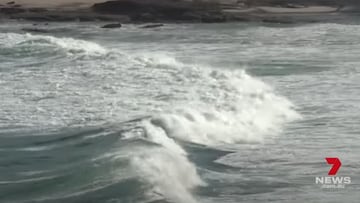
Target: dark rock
[
  {"x": 10, "y": 3},
  {"x": 164, "y": 11},
  {"x": 113, "y": 25},
  {"x": 294, "y": 6},
  {"x": 151, "y": 10},
  {"x": 152, "y": 26},
  {"x": 12, "y": 10},
  {"x": 141, "y": 6},
  {"x": 112, "y": 18}
]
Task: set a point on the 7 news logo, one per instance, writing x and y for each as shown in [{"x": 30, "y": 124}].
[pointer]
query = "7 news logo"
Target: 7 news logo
[{"x": 333, "y": 181}]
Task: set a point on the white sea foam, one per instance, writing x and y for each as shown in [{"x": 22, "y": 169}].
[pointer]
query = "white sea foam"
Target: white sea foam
[
  {"x": 167, "y": 168},
  {"x": 171, "y": 174},
  {"x": 70, "y": 45},
  {"x": 219, "y": 107},
  {"x": 205, "y": 105},
  {"x": 222, "y": 106},
  {"x": 248, "y": 111}
]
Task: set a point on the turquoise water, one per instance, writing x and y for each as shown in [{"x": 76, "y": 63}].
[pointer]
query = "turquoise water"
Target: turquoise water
[{"x": 182, "y": 113}]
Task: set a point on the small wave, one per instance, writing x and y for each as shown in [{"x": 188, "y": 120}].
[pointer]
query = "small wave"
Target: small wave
[{"x": 29, "y": 44}]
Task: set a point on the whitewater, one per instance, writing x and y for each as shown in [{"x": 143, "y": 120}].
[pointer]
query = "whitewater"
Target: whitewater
[{"x": 183, "y": 113}]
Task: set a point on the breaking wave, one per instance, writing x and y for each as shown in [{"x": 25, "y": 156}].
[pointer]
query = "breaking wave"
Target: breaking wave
[
  {"x": 191, "y": 103},
  {"x": 222, "y": 107},
  {"x": 29, "y": 44}
]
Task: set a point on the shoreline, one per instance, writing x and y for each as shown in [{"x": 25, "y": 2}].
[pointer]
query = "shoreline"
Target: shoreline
[{"x": 164, "y": 11}]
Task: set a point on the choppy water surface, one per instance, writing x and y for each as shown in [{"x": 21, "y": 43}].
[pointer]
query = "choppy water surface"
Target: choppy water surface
[{"x": 183, "y": 113}]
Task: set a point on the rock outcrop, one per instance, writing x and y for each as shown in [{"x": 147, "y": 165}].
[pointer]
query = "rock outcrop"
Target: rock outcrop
[
  {"x": 12, "y": 10},
  {"x": 112, "y": 25},
  {"x": 152, "y": 26},
  {"x": 162, "y": 10},
  {"x": 190, "y": 11}
]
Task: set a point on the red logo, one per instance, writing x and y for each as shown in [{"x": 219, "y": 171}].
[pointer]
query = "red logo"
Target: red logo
[{"x": 336, "y": 165}]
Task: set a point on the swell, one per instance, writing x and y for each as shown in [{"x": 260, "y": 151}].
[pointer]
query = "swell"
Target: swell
[
  {"x": 178, "y": 104},
  {"x": 67, "y": 165}
]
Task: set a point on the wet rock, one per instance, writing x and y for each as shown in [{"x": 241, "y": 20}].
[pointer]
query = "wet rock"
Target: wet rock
[
  {"x": 10, "y": 11},
  {"x": 112, "y": 25},
  {"x": 152, "y": 25},
  {"x": 112, "y": 18},
  {"x": 295, "y": 6},
  {"x": 141, "y": 6},
  {"x": 149, "y": 10},
  {"x": 62, "y": 18}
]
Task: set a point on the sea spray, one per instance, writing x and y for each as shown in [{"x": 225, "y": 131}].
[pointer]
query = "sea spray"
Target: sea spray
[
  {"x": 189, "y": 102},
  {"x": 225, "y": 107},
  {"x": 171, "y": 175}
]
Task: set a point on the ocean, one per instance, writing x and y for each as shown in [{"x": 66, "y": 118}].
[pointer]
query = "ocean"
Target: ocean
[{"x": 184, "y": 113}]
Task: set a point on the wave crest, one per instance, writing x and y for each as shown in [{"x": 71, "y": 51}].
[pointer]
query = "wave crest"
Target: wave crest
[
  {"x": 30, "y": 44},
  {"x": 219, "y": 107}
]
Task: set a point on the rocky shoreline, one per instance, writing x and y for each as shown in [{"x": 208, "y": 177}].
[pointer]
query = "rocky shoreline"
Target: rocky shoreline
[{"x": 185, "y": 11}]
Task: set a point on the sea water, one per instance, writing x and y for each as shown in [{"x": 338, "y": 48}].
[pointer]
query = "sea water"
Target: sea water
[{"x": 185, "y": 113}]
